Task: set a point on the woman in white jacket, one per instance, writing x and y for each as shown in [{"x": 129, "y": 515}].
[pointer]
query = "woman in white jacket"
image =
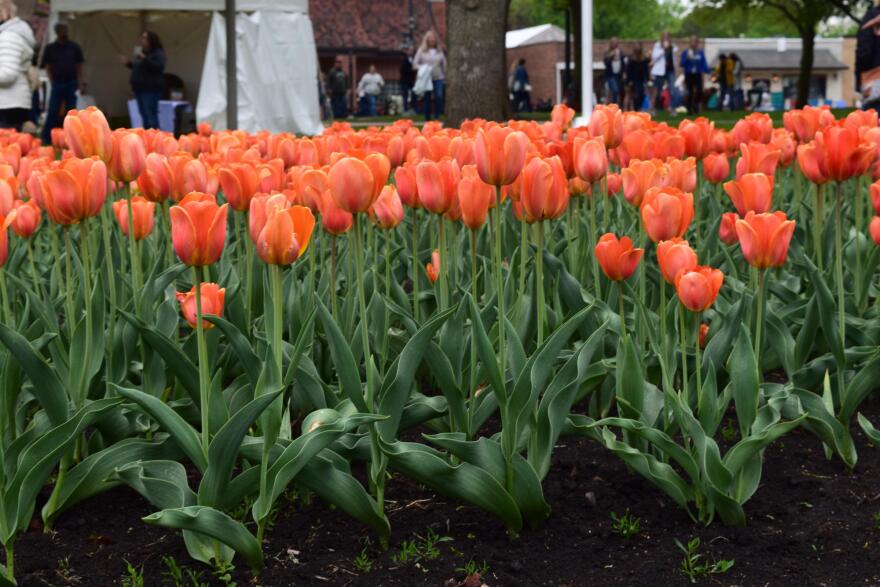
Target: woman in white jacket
[{"x": 16, "y": 51}]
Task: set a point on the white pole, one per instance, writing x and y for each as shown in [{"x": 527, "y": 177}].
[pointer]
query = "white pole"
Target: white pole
[{"x": 586, "y": 63}]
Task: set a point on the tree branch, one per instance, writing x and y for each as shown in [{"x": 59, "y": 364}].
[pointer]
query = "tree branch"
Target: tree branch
[
  {"x": 787, "y": 12},
  {"x": 845, "y": 7}
]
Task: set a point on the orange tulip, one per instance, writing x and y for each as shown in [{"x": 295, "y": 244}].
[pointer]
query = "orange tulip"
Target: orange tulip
[
  {"x": 388, "y": 208},
  {"x": 681, "y": 174},
  {"x": 697, "y": 288},
  {"x": 805, "y": 123},
  {"x": 544, "y": 192},
  {"x": 757, "y": 127},
  {"x": 875, "y": 196},
  {"x": 716, "y": 167},
  {"x": 4, "y": 237},
  {"x": 25, "y": 218},
  {"x": 607, "y": 122},
  {"x": 703, "y": 335},
  {"x": 396, "y": 151},
  {"x": 462, "y": 150},
  {"x": 752, "y": 192},
  {"x": 758, "y": 158},
  {"x": 666, "y": 213},
  {"x": 668, "y": 144},
  {"x": 8, "y": 189},
  {"x": 636, "y": 145},
  {"x": 198, "y": 229},
  {"x": 861, "y": 118},
  {"x": 811, "y": 162},
  {"x": 578, "y": 187},
  {"x": 189, "y": 175},
  {"x": 432, "y": 269},
  {"x": 239, "y": 182},
  {"x": 617, "y": 258},
  {"x": 270, "y": 176},
  {"x": 846, "y": 155},
  {"x": 697, "y": 136},
  {"x": 437, "y": 182},
  {"x": 334, "y": 219},
  {"x": 614, "y": 182},
  {"x": 407, "y": 187},
  {"x": 727, "y": 228},
  {"x": 155, "y": 182},
  {"x": 380, "y": 167},
  {"x": 785, "y": 142},
  {"x": 590, "y": 159},
  {"x": 873, "y": 228},
  {"x": 287, "y": 232},
  {"x": 128, "y": 157},
  {"x": 474, "y": 197},
  {"x": 351, "y": 184},
  {"x": 673, "y": 256},
  {"x": 764, "y": 238},
  {"x": 59, "y": 138},
  {"x": 213, "y": 298},
  {"x": 639, "y": 177},
  {"x": 88, "y": 133},
  {"x": 76, "y": 190},
  {"x": 500, "y": 154},
  {"x": 562, "y": 115},
  {"x": 143, "y": 212}
]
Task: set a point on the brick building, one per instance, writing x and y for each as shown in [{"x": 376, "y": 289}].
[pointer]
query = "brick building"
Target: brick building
[{"x": 373, "y": 32}]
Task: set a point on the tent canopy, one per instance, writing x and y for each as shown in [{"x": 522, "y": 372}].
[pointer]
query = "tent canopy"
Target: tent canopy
[{"x": 268, "y": 56}]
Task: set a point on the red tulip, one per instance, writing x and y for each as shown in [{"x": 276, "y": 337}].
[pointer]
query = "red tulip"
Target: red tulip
[
  {"x": 874, "y": 229},
  {"x": 189, "y": 175},
  {"x": 500, "y": 154},
  {"x": 88, "y": 133},
  {"x": 764, "y": 238},
  {"x": 666, "y": 213},
  {"x": 681, "y": 174},
  {"x": 875, "y": 196},
  {"x": 143, "y": 212},
  {"x": 697, "y": 288},
  {"x": 198, "y": 229},
  {"x": 474, "y": 197},
  {"x": 8, "y": 189},
  {"x": 716, "y": 167},
  {"x": 757, "y": 127},
  {"x": 213, "y": 298},
  {"x": 407, "y": 187},
  {"x": 727, "y": 228},
  {"x": 752, "y": 192},
  {"x": 697, "y": 136},
  {"x": 544, "y": 192},
  {"x": 239, "y": 182},
  {"x": 614, "y": 182},
  {"x": 805, "y": 123},
  {"x": 673, "y": 256},
  {"x": 617, "y": 258},
  {"x": 76, "y": 190},
  {"x": 785, "y": 142}
]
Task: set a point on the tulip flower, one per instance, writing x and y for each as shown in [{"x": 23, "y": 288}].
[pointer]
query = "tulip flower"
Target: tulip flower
[
  {"x": 88, "y": 133},
  {"x": 697, "y": 288},
  {"x": 764, "y": 238},
  {"x": 617, "y": 257},
  {"x": 544, "y": 192},
  {"x": 156, "y": 181},
  {"x": 432, "y": 269},
  {"x": 5, "y": 221},
  {"x": 675, "y": 255},
  {"x": 806, "y": 122},
  {"x": 500, "y": 154},
  {"x": 874, "y": 229},
  {"x": 25, "y": 218},
  {"x": 758, "y": 158},
  {"x": 716, "y": 167},
  {"x": 681, "y": 174},
  {"x": 697, "y": 136},
  {"x": 666, "y": 213},
  {"x": 239, "y": 182},
  {"x": 213, "y": 298},
  {"x": 562, "y": 115},
  {"x": 8, "y": 189},
  {"x": 753, "y": 192},
  {"x": 198, "y": 229},
  {"x": 639, "y": 177},
  {"x": 475, "y": 197},
  {"x": 407, "y": 187},
  {"x": 143, "y": 212},
  {"x": 380, "y": 167},
  {"x": 875, "y": 196},
  {"x": 613, "y": 183},
  {"x": 757, "y": 127},
  {"x": 727, "y": 228},
  {"x": 606, "y": 122},
  {"x": 436, "y": 184},
  {"x": 388, "y": 208},
  {"x": 351, "y": 184},
  {"x": 785, "y": 142},
  {"x": 590, "y": 159},
  {"x": 334, "y": 219},
  {"x": 128, "y": 156},
  {"x": 76, "y": 190},
  {"x": 286, "y": 233}
]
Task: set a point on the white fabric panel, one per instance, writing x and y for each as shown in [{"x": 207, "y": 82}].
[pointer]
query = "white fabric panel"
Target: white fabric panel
[
  {"x": 277, "y": 74},
  {"x": 205, "y": 5}
]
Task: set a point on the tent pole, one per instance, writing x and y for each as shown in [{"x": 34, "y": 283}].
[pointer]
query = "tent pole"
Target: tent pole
[
  {"x": 231, "y": 68},
  {"x": 586, "y": 63}
]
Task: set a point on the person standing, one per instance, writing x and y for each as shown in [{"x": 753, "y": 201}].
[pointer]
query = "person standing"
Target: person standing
[
  {"x": 522, "y": 100},
  {"x": 868, "y": 56},
  {"x": 63, "y": 61},
  {"x": 371, "y": 86},
  {"x": 147, "y": 77},
  {"x": 637, "y": 72},
  {"x": 663, "y": 69},
  {"x": 431, "y": 55},
  {"x": 722, "y": 75},
  {"x": 407, "y": 79},
  {"x": 16, "y": 51},
  {"x": 337, "y": 84},
  {"x": 615, "y": 65},
  {"x": 736, "y": 68},
  {"x": 693, "y": 63}
]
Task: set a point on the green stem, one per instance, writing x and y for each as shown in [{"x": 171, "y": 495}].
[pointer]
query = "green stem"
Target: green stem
[
  {"x": 697, "y": 206},
  {"x": 248, "y": 269},
  {"x": 384, "y": 354},
  {"x": 596, "y": 281},
  {"x": 362, "y": 300},
  {"x": 818, "y": 223},
  {"x": 334, "y": 306},
  {"x": 539, "y": 268},
  {"x": 523, "y": 257},
  {"x": 137, "y": 283},
  {"x": 499, "y": 284},
  {"x": 664, "y": 349},
  {"x": 759, "y": 321},
  {"x": 10, "y": 559},
  {"x": 4, "y": 293},
  {"x": 204, "y": 392},
  {"x": 444, "y": 265},
  {"x": 606, "y": 221},
  {"x": 473, "y": 371},
  {"x": 698, "y": 366},
  {"x": 860, "y": 188},
  {"x": 684, "y": 362},
  {"x": 621, "y": 311},
  {"x": 35, "y": 278},
  {"x": 416, "y": 266},
  {"x": 68, "y": 282},
  {"x": 56, "y": 270},
  {"x": 838, "y": 270},
  {"x": 87, "y": 302}
]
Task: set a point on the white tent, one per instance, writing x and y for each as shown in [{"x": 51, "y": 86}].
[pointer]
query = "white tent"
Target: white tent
[{"x": 277, "y": 61}]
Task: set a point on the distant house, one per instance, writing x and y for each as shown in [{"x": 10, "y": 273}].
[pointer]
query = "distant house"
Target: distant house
[{"x": 372, "y": 32}]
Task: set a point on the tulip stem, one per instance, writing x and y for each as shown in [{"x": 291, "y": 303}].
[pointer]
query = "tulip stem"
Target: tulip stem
[
  {"x": 622, "y": 311},
  {"x": 860, "y": 188},
  {"x": 204, "y": 395},
  {"x": 818, "y": 222},
  {"x": 416, "y": 267},
  {"x": 10, "y": 559},
  {"x": 698, "y": 365},
  {"x": 443, "y": 270},
  {"x": 137, "y": 285},
  {"x": 87, "y": 302},
  {"x": 606, "y": 221},
  {"x": 387, "y": 297},
  {"x": 539, "y": 268},
  {"x": 362, "y": 300},
  {"x": 34, "y": 277},
  {"x": 4, "y": 292},
  {"x": 56, "y": 270},
  {"x": 759, "y": 320},
  {"x": 248, "y": 268},
  {"x": 598, "y": 283},
  {"x": 334, "y": 306},
  {"x": 499, "y": 283},
  {"x": 682, "y": 329},
  {"x": 523, "y": 258},
  {"x": 68, "y": 279},
  {"x": 473, "y": 371},
  {"x": 838, "y": 270}
]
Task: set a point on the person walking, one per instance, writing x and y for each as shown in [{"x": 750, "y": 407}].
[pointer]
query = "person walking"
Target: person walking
[
  {"x": 637, "y": 73},
  {"x": 521, "y": 89},
  {"x": 147, "y": 77},
  {"x": 337, "y": 84},
  {"x": 370, "y": 87},
  {"x": 407, "y": 80},
  {"x": 63, "y": 61},
  {"x": 723, "y": 74},
  {"x": 663, "y": 69},
  {"x": 431, "y": 55},
  {"x": 615, "y": 65},
  {"x": 693, "y": 63},
  {"x": 16, "y": 51}
]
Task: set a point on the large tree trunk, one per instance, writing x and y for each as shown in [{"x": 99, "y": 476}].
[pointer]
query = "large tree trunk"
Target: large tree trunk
[
  {"x": 808, "y": 40},
  {"x": 476, "y": 76}
]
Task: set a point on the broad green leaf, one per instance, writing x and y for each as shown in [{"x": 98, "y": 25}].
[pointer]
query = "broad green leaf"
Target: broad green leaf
[
  {"x": 48, "y": 387},
  {"x": 247, "y": 358},
  {"x": 630, "y": 381},
  {"x": 343, "y": 359},
  {"x": 872, "y": 433},
  {"x": 743, "y": 369}
]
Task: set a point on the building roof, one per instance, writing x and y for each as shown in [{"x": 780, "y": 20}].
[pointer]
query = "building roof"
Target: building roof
[
  {"x": 774, "y": 60},
  {"x": 377, "y": 25},
  {"x": 533, "y": 35}
]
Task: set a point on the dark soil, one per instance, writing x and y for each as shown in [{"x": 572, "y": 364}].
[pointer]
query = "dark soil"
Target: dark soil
[{"x": 810, "y": 523}]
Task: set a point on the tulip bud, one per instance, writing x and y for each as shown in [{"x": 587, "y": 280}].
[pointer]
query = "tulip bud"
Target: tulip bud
[
  {"x": 88, "y": 133},
  {"x": 432, "y": 269},
  {"x": 213, "y": 298},
  {"x": 666, "y": 213},
  {"x": 474, "y": 197},
  {"x": 727, "y": 228},
  {"x": 764, "y": 238},
  {"x": 198, "y": 229},
  {"x": 673, "y": 256},
  {"x": 716, "y": 167},
  {"x": 388, "y": 208},
  {"x": 143, "y": 212},
  {"x": 26, "y": 218},
  {"x": 617, "y": 257},
  {"x": 76, "y": 190},
  {"x": 704, "y": 333},
  {"x": 697, "y": 288},
  {"x": 751, "y": 192},
  {"x": 500, "y": 154},
  {"x": 128, "y": 156}
]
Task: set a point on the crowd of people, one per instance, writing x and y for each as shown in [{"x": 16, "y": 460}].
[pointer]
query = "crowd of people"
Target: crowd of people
[{"x": 667, "y": 78}]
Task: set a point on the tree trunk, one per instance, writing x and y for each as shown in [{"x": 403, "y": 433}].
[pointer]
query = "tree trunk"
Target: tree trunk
[
  {"x": 808, "y": 40},
  {"x": 476, "y": 76}
]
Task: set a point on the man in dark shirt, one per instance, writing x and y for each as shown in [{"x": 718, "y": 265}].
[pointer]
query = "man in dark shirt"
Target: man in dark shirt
[
  {"x": 63, "y": 61},
  {"x": 338, "y": 85}
]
